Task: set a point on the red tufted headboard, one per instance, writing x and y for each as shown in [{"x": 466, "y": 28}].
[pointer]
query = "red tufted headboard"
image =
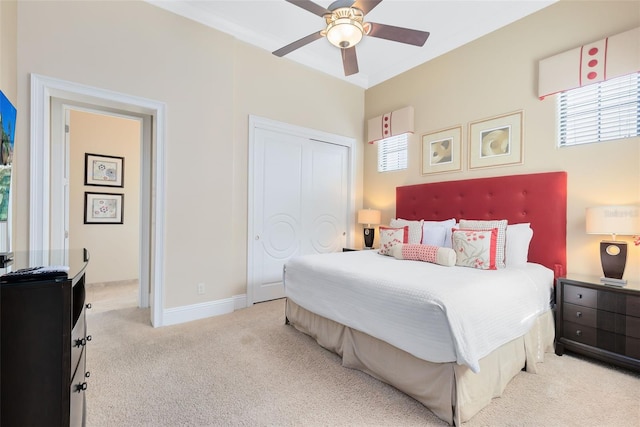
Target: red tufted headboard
[{"x": 540, "y": 199}]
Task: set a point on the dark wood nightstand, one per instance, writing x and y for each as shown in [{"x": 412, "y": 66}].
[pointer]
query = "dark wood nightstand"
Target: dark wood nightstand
[{"x": 598, "y": 320}]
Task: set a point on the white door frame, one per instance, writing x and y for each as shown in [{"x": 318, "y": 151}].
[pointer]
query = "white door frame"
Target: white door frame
[
  {"x": 40, "y": 222},
  {"x": 320, "y": 136}
]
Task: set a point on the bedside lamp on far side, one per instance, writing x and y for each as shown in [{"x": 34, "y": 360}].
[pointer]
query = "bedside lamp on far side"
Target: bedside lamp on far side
[
  {"x": 369, "y": 217},
  {"x": 613, "y": 220}
]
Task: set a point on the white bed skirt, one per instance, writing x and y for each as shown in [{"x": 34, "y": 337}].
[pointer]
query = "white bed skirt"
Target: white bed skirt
[{"x": 451, "y": 391}]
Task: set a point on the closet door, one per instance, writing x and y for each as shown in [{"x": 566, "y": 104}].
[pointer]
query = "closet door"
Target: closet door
[{"x": 300, "y": 204}]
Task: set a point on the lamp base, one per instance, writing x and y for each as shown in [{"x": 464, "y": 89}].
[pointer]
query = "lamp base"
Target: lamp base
[
  {"x": 613, "y": 282},
  {"x": 369, "y": 234},
  {"x": 613, "y": 256}
]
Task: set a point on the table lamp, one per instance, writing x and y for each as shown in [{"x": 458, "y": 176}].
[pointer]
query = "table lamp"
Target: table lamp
[
  {"x": 369, "y": 217},
  {"x": 613, "y": 220}
]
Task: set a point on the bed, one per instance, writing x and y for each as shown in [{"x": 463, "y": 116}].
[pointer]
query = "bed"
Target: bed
[{"x": 451, "y": 354}]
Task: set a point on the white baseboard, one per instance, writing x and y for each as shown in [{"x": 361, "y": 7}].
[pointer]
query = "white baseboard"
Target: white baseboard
[{"x": 187, "y": 313}]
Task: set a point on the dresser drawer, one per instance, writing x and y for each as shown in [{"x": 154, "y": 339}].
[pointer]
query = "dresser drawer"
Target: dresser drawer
[
  {"x": 581, "y": 296},
  {"x": 78, "y": 341},
  {"x": 633, "y": 306},
  {"x": 632, "y": 346},
  {"x": 580, "y": 333},
  {"x": 632, "y": 327},
  {"x": 581, "y": 315}
]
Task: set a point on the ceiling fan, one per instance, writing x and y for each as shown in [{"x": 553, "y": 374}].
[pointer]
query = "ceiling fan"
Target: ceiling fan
[{"x": 345, "y": 28}]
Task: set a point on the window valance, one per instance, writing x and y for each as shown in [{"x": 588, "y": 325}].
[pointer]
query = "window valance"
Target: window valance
[
  {"x": 390, "y": 124},
  {"x": 604, "y": 59}
]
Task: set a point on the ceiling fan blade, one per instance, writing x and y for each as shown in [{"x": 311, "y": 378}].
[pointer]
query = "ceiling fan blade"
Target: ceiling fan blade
[
  {"x": 366, "y": 6},
  {"x": 310, "y": 6},
  {"x": 398, "y": 34},
  {"x": 349, "y": 61},
  {"x": 297, "y": 44}
]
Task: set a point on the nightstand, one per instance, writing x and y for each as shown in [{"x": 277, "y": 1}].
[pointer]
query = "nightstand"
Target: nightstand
[{"x": 599, "y": 321}]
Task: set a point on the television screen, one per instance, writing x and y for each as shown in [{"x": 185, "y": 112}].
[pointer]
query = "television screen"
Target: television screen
[{"x": 8, "y": 125}]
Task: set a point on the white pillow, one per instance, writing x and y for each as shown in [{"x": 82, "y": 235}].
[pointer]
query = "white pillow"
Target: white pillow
[
  {"x": 434, "y": 236},
  {"x": 415, "y": 229},
  {"x": 447, "y": 225},
  {"x": 517, "y": 246}
]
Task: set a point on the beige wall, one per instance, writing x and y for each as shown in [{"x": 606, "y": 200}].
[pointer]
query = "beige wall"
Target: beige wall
[
  {"x": 498, "y": 74},
  {"x": 210, "y": 84},
  {"x": 114, "y": 248}
]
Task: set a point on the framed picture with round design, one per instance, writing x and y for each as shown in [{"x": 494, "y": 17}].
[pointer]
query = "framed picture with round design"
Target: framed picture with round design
[
  {"x": 103, "y": 208},
  {"x": 102, "y": 170},
  {"x": 496, "y": 141},
  {"x": 442, "y": 151}
]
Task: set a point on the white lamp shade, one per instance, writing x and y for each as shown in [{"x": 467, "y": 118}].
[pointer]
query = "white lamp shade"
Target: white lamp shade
[
  {"x": 368, "y": 216},
  {"x": 621, "y": 220}
]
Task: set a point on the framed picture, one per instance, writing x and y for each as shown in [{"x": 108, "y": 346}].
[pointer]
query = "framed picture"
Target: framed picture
[
  {"x": 441, "y": 151},
  {"x": 103, "y": 170},
  {"x": 496, "y": 141},
  {"x": 103, "y": 208}
]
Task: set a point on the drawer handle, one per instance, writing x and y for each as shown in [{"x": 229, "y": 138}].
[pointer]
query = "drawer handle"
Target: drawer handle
[
  {"x": 89, "y": 337},
  {"x": 81, "y": 342},
  {"x": 88, "y": 305},
  {"x": 578, "y": 314},
  {"x": 87, "y": 374},
  {"x": 578, "y": 333},
  {"x": 81, "y": 387},
  {"x": 579, "y": 296}
]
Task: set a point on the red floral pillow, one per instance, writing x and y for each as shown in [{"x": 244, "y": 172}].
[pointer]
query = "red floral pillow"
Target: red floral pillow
[
  {"x": 391, "y": 236},
  {"x": 476, "y": 248}
]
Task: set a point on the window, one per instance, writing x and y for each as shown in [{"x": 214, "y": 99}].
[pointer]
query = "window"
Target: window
[
  {"x": 600, "y": 112},
  {"x": 392, "y": 153}
]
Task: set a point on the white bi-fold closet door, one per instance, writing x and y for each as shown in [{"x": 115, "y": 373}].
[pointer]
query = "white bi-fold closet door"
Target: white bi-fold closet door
[{"x": 300, "y": 202}]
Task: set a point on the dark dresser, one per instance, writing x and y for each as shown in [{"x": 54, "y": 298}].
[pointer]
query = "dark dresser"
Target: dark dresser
[
  {"x": 597, "y": 320},
  {"x": 43, "y": 354}
]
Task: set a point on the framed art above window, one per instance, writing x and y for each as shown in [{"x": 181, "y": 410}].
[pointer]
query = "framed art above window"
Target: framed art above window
[{"x": 103, "y": 170}]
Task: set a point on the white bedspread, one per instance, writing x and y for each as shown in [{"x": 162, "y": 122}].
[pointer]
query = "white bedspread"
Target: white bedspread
[{"x": 436, "y": 313}]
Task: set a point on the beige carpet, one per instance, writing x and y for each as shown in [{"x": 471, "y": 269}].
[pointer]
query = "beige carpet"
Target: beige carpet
[{"x": 249, "y": 369}]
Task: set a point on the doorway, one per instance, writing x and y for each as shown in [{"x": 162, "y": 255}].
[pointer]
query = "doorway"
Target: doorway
[
  {"x": 97, "y": 141},
  {"x": 47, "y": 231}
]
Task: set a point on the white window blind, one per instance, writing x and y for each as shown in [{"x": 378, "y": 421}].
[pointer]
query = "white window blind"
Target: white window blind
[
  {"x": 392, "y": 153},
  {"x": 600, "y": 112}
]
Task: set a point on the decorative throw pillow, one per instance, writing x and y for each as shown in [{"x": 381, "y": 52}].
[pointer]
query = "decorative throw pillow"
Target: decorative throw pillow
[
  {"x": 428, "y": 232},
  {"x": 427, "y": 253},
  {"x": 391, "y": 236},
  {"x": 517, "y": 245},
  {"x": 475, "y": 248},
  {"x": 501, "y": 225},
  {"x": 415, "y": 228}
]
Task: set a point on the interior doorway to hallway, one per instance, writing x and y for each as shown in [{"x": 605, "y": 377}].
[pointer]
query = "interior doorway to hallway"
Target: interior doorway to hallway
[{"x": 48, "y": 231}]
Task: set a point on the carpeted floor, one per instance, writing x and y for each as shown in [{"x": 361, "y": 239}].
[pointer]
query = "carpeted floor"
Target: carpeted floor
[{"x": 249, "y": 369}]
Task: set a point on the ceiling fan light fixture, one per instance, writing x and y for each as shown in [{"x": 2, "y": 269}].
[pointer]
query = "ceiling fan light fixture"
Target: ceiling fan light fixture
[{"x": 344, "y": 33}]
